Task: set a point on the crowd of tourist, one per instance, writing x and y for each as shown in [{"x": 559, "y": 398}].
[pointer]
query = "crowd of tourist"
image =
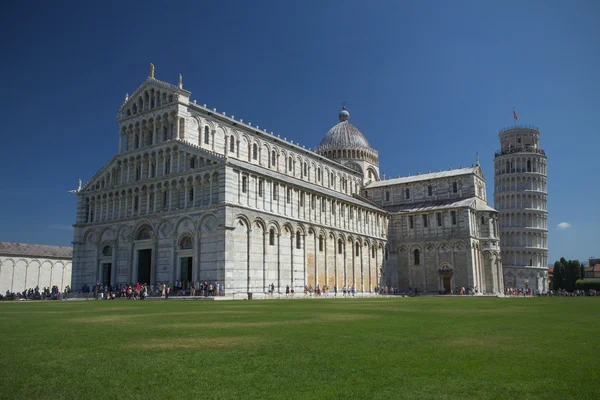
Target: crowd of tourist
[
  {"x": 47, "y": 293},
  {"x": 526, "y": 292},
  {"x": 140, "y": 291}
]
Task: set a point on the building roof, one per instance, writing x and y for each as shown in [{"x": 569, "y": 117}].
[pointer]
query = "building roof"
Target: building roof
[
  {"x": 35, "y": 250},
  {"x": 593, "y": 268},
  {"x": 423, "y": 177},
  {"x": 440, "y": 205},
  {"x": 344, "y": 135}
]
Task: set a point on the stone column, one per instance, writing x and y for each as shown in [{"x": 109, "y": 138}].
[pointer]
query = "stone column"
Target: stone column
[
  {"x": 147, "y": 201},
  {"x": 154, "y": 129},
  {"x": 113, "y": 270},
  {"x": 131, "y": 261},
  {"x": 155, "y": 198},
  {"x": 196, "y": 265},
  {"x": 278, "y": 263}
]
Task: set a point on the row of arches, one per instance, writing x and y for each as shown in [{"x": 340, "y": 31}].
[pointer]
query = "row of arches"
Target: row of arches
[
  {"x": 532, "y": 258},
  {"x": 524, "y": 239},
  {"x": 536, "y": 220},
  {"x": 298, "y": 255},
  {"x": 197, "y": 190},
  {"x": 151, "y": 130},
  {"x": 520, "y": 164},
  {"x": 520, "y": 201},
  {"x": 158, "y": 162},
  {"x": 19, "y": 274},
  {"x": 298, "y": 202},
  {"x": 507, "y": 184}
]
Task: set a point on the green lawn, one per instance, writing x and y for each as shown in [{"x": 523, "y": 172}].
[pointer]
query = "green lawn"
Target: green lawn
[{"x": 351, "y": 348}]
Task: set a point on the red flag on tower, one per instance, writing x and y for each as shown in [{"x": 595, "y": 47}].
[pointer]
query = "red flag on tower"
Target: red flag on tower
[{"x": 515, "y": 115}]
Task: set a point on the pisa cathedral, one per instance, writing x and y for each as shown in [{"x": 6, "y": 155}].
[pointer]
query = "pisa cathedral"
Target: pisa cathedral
[{"x": 196, "y": 195}]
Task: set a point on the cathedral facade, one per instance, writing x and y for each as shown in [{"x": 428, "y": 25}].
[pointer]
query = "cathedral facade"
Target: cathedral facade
[{"x": 196, "y": 195}]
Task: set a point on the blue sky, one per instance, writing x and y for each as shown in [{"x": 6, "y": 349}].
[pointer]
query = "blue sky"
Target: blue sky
[{"x": 429, "y": 83}]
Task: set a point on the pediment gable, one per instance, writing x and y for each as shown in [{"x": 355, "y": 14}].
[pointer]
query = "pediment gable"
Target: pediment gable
[{"x": 152, "y": 85}]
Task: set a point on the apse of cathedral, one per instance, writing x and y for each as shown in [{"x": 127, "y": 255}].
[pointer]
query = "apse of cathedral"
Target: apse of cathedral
[{"x": 196, "y": 195}]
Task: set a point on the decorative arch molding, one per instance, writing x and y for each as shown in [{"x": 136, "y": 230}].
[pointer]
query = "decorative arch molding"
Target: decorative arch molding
[
  {"x": 272, "y": 224},
  {"x": 259, "y": 223},
  {"x": 141, "y": 223},
  {"x": 180, "y": 239},
  {"x": 185, "y": 223},
  {"x": 244, "y": 219},
  {"x": 89, "y": 237}
]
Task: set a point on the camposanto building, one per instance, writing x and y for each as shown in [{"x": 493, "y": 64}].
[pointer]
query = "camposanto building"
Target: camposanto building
[{"x": 197, "y": 195}]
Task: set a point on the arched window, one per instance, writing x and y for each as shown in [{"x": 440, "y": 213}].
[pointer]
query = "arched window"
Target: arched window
[
  {"x": 107, "y": 251},
  {"x": 290, "y": 163},
  {"x": 407, "y": 193},
  {"x": 298, "y": 240},
  {"x": 206, "y": 135},
  {"x": 482, "y": 220},
  {"x": 417, "y": 257},
  {"x": 430, "y": 190},
  {"x": 254, "y": 152},
  {"x": 186, "y": 243},
  {"x": 193, "y": 162},
  {"x": 136, "y": 142},
  {"x": 340, "y": 246},
  {"x": 305, "y": 169},
  {"x": 143, "y": 234},
  {"x": 273, "y": 158},
  {"x": 232, "y": 143},
  {"x": 372, "y": 251},
  {"x": 272, "y": 237},
  {"x": 320, "y": 243},
  {"x": 387, "y": 196},
  {"x": 357, "y": 250},
  {"x": 191, "y": 194},
  {"x": 454, "y": 187},
  {"x": 528, "y": 166},
  {"x": 319, "y": 174}
]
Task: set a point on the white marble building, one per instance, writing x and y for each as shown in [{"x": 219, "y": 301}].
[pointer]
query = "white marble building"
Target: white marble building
[
  {"x": 194, "y": 194},
  {"x": 25, "y": 266},
  {"x": 521, "y": 197}
]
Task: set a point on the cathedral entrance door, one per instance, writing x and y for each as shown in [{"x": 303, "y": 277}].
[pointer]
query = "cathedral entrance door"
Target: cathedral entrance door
[
  {"x": 144, "y": 266},
  {"x": 106, "y": 272},
  {"x": 186, "y": 269},
  {"x": 447, "y": 284},
  {"x": 446, "y": 278}
]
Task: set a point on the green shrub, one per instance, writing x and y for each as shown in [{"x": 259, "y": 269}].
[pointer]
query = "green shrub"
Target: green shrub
[{"x": 587, "y": 285}]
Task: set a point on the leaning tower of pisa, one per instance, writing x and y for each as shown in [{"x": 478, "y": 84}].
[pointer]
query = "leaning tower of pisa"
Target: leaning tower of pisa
[{"x": 520, "y": 196}]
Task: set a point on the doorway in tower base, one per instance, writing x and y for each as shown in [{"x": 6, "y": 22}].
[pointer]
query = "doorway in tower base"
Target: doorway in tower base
[
  {"x": 446, "y": 273},
  {"x": 186, "y": 269},
  {"x": 144, "y": 266},
  {"x": 106, "y": 273}
]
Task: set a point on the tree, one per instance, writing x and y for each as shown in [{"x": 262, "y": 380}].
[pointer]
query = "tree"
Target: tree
[{"x": 566, "y": 273}]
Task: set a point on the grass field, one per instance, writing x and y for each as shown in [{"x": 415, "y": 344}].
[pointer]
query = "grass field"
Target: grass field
[{"x": 364, "y": 348}]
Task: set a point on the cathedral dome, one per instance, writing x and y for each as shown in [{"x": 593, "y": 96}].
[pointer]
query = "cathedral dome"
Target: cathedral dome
[{"x": 344, "y": 135}]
